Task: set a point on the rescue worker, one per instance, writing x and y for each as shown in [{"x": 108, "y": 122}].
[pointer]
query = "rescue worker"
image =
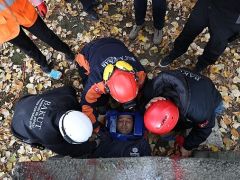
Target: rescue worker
[
  {"x": 88, "y": 6},
  {"x": 107, "y": 67},
  {"x": 158, "y": 11},
  {"x": 181, "y": 99},
  {"x": 223, "y": 21},
  {"x": 16, "y": 15},
  {"x": 53, "y": 120},
  {"x": 124, "y": 136}
]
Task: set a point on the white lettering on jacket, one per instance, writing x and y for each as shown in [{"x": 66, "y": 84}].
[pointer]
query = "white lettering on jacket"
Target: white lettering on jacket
[
  {"x": 113, "y": 60},
  {"x": 38, "y": 114},
  {"x": 190, "y": 74}
]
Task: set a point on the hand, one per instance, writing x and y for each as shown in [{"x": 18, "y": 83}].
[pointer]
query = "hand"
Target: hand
[
  {"x": 185, "y": 153},
  {"x": 98, "y": 141},
  {"x": 42, "y": 9},
  {"x": 154, "y": 100},
  {"x": 101, "y": 118},
  {"x": 103, "y": 135}
]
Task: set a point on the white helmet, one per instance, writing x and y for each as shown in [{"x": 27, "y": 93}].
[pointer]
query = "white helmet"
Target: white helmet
[{"x": 75, "y": 127}]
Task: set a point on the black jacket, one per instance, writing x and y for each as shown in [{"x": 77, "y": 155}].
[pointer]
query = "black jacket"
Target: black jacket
[
  {"x": 196, "y": 98},
  {"x": 36, "y": 119},
  {"x": 110, "y": 148},
  {"x": 98, "y": 54},
  {"x": 227, "y": 10}
]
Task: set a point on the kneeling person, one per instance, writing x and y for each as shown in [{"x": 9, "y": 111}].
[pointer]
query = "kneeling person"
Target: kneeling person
[
  {"x": 181, "y": 99},
  {"x": 52, "y": 120}
]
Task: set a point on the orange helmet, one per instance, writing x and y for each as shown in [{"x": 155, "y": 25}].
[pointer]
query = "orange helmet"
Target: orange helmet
[
  {"x": 161, "y": 116},
  {"x": 122, "y": 85}
]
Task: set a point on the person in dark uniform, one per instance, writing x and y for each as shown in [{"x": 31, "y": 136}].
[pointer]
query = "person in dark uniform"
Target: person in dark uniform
[
  {"x": 223, "y": 21},
  {"x": 181, "y": 99},
  {"x": 124, "y": 136},
  {"x": 158, "y": 11},
  {"x": 107, "y": 67},
  {"x": 53, "y": 120}
]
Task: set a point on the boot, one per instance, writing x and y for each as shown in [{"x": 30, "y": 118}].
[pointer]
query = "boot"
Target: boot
[
  {"x": 157, "y": 37},
  {"x": 168, "y": 59},
  {"x": 92, "y": 14},
  {"x": 134, "y": 32},
  {"x": 200, "y": 67}
]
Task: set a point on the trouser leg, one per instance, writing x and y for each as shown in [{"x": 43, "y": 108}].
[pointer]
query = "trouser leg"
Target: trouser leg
[
  {"x": 159, "y": 11},
  {"x": 197, "y": 21},
  {"x": 216, "y": 45},
  {"x": 87, "y": 4},
  {"x": 140, "y": 7},
  {"x": 23, "y": 42},
  {"x": 40, "y": 30}
]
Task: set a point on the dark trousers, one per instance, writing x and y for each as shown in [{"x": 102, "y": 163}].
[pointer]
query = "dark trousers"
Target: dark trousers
[
  {"x": 40, "y": 30},
  {"x": 87, "y": 4},
  {"x": 202, "y": 16},
  {"x": 158, "y": 12}
]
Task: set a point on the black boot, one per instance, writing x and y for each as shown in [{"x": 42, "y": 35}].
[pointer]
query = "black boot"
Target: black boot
[
  {"x": 200, "y": 67},
  {"x": 92, "y": 14},
  {"x": 168, "y": 59}
]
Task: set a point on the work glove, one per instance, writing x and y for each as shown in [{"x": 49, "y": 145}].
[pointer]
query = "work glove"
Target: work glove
[{"x": 42, "y": 9}]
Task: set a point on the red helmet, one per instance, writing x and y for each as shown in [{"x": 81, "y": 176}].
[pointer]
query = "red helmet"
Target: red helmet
[
  {"x": 123, "y": 86},
  {"x": 161, "y": 117}
]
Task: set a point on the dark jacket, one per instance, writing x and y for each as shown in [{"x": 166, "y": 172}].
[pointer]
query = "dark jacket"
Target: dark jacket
[
  {"x": 110, "y": 148},
  {"x": 227, "y": 10},
  {"x": 98, "y": 54},
  {"x": 195, "y": 96},
  {"x": 36, "y": 119}
]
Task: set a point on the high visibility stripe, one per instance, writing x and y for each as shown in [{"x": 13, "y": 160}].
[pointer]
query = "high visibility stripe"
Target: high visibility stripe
[{"x": 3, "y": 5}]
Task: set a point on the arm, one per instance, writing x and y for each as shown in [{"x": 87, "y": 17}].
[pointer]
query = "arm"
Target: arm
[
  {"x": 63, "y": 90},
  {"x": 90, "y": 96},
  {"x": 169, "y": 84},
  {"x": 73, "y": 150},
  {"x": 199, "y": 133}
]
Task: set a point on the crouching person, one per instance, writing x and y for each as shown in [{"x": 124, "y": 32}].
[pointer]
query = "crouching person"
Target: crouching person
[
  {"x": 123, "y": 136},
  {"x": 52, "y": 120},
  {"x": 179, "y": 100}
]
